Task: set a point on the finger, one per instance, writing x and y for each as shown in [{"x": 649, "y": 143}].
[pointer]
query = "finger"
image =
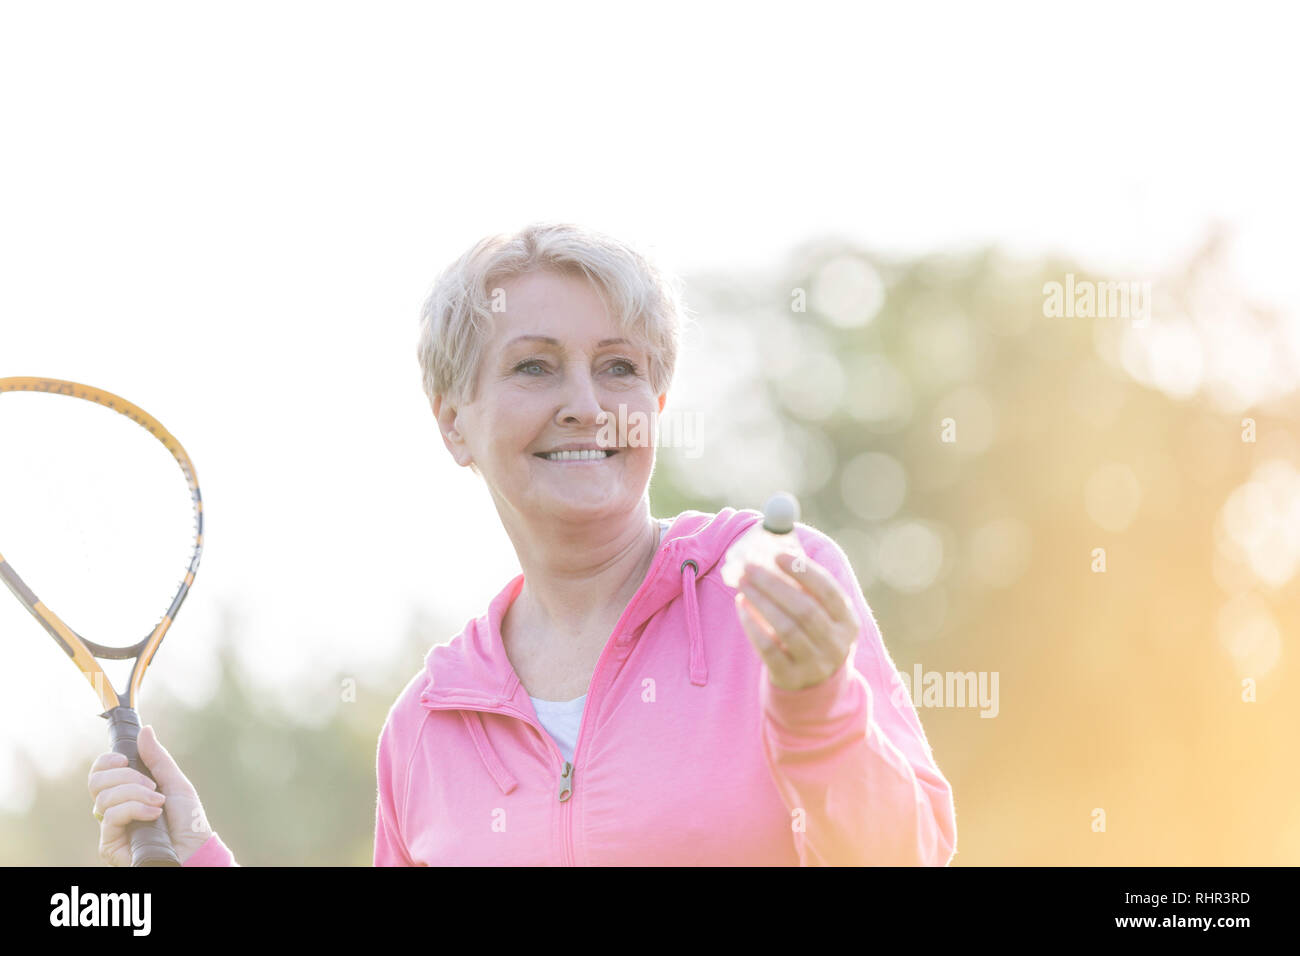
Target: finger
[
  {"x": 109, "y": 758},
  {"x": 745, "y": 599},
  {"x": 160, "y": 763},
  {"x": 759, "y": 634},
  {"x": 821, "y": 584},
  {"x": 103, "y": 762},
  {"x": 797, "y": 606},
  {"x": 119, "y": 817},
  {"x": 800, "y": 646},
  {"x": 126, "y": 793},
  {"x": 115, "y": 778}
]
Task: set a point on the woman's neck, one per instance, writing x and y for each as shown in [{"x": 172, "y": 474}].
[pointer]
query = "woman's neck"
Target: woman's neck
[{"x": 577, "y": 590}]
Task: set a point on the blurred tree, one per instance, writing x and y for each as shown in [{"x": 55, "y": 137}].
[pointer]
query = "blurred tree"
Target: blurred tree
[{"x": 970, "y": 453}]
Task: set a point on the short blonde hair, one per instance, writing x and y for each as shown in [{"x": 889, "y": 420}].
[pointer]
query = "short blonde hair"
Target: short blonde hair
[{"x": 456, "y": 319}]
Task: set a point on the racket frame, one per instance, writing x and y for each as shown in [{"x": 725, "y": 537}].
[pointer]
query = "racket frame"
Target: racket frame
[{"x": 150, "y": 844}]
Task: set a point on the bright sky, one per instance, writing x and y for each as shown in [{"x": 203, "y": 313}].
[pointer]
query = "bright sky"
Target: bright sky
[{"x": 230, "y": 213}]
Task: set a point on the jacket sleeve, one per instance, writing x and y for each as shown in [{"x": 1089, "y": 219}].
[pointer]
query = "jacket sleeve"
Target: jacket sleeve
[
  {"x": 212, "y": 853},
  {"x": 390, "y": 847},
  {"x": 851, "y": 753}
]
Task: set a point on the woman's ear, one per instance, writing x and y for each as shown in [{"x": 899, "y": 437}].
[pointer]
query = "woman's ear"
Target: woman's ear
[
  {"x": 662, "y": 398},
  {"x": 448, "y": 418}
]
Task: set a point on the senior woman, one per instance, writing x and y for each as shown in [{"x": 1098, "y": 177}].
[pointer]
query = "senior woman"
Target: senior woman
[{"x": 617, "y": 703}]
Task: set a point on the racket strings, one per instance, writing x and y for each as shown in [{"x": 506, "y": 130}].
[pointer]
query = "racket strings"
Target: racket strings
[{"x": 95, "y": 515}]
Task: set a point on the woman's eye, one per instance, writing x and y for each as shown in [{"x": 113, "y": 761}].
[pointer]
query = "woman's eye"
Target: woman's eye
[{"x": 532, "y": 363}]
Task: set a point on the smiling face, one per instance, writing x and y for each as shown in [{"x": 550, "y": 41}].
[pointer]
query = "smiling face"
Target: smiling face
[{"x": 554, "y": 374}]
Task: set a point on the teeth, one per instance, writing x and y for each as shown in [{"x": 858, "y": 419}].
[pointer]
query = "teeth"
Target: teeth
[{"x": 575, "y": 455}]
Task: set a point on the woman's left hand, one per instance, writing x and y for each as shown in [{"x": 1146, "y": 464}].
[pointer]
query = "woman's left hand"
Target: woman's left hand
[{"x": 801, "y": 623}]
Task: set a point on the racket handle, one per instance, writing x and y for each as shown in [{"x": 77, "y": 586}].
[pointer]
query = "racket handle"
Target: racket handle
[{"x": 150, "y": 843}]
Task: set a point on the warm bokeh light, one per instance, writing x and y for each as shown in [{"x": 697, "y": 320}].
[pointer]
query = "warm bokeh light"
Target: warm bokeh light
[
  {"x": 1260, "y": 523},
  {"x": 1112, "y": 496},
  {"x": 848, "y": 291},
  {"x": 874, "y": 485}
]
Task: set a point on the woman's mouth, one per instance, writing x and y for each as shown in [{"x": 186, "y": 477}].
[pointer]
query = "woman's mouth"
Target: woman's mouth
[{"x": 577, "y": 456}]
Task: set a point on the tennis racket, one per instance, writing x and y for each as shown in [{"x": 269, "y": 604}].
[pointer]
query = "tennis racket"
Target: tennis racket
[{"x": 91, "y": 510}]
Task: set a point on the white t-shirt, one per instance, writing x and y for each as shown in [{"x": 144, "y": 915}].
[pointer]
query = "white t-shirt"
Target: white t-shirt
[{"x": 562, "y": 718}]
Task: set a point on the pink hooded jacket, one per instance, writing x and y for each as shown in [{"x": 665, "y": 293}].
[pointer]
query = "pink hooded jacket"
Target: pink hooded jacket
[{"x": 687, "y": 754}]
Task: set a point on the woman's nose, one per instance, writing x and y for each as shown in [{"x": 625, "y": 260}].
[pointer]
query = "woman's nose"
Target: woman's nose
[{"x": 581, "y": 400}]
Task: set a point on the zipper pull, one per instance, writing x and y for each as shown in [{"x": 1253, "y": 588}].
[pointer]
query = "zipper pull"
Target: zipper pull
[{"x": 566, "y": 782}]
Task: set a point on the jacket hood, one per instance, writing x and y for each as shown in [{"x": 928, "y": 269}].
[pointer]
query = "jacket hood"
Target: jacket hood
[{"x": 473, "y": 672}]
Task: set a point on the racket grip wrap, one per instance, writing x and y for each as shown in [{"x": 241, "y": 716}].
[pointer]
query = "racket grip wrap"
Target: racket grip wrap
[{"x": 150, "y": 843}]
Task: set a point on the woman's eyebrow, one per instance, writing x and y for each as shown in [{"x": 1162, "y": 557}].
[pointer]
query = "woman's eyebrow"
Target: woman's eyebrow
[{"x": 557, "y": 343}]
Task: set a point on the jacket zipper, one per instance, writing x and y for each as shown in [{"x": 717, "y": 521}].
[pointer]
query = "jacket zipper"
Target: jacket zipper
[{"x": 565, "y": 790}]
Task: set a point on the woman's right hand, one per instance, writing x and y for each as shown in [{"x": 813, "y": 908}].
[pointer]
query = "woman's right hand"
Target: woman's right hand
[{"x": 122, "y": 795}]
